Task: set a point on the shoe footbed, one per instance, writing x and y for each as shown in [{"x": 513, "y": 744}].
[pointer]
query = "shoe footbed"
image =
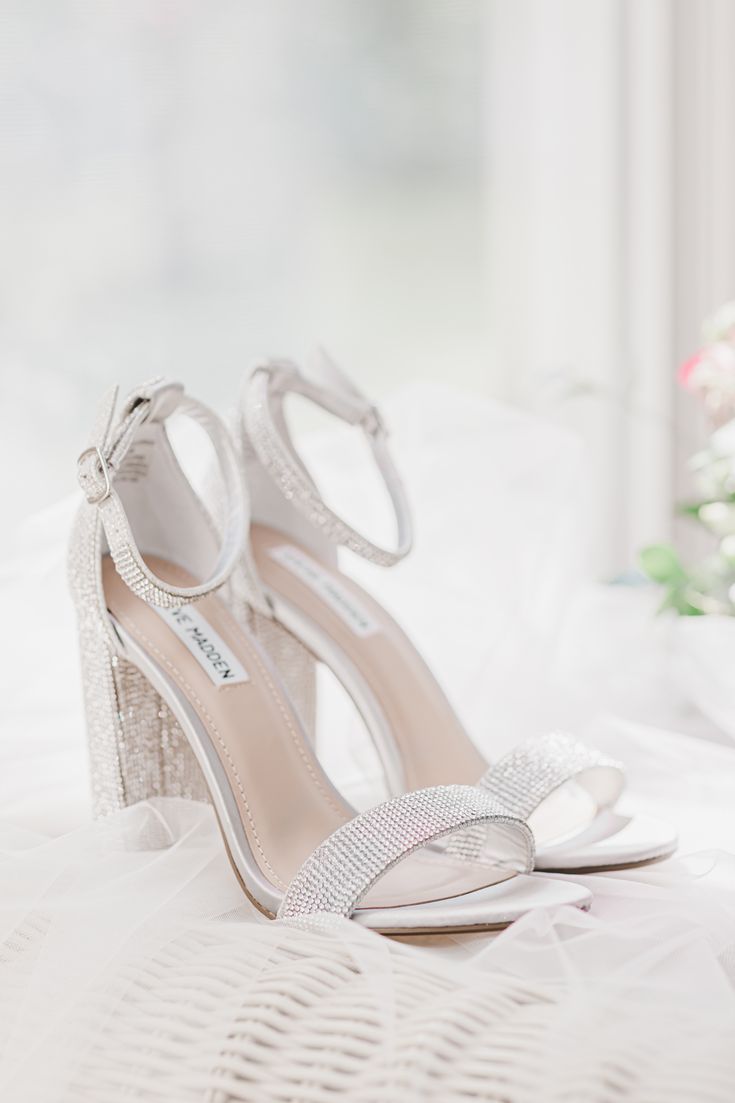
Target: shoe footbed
[
  {"x": 287, "y": 804},
  {"x": 433, "y": 747}
]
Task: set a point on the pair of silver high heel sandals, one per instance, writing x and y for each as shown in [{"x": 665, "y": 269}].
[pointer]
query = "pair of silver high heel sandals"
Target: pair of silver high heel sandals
[{"x": 200, "y": 627}]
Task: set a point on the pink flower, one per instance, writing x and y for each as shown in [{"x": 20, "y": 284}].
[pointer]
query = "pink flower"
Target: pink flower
[
  {"x": 711, "y": 375},
  {"x": 688, "y": 368}
]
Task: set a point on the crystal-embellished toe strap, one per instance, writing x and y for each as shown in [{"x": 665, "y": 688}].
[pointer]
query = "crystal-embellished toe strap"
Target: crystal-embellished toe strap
[
  {"x": 341, "y": 870},
  {"x": 527, "y": 775}
]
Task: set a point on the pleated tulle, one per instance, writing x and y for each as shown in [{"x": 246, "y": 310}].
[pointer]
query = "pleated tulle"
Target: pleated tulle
[{"x": 130, "y": 968}]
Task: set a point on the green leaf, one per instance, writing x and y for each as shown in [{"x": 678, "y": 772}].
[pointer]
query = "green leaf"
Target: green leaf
[
  {"x": 676, "y": 599},
  {"x": 661, "y": 563},
  {"x": 689, "y": 509}
]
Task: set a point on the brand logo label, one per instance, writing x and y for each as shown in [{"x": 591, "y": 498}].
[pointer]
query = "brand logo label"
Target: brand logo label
[
  {"x": 208, "y": 648},
  {"x": 334, "y": 592}
]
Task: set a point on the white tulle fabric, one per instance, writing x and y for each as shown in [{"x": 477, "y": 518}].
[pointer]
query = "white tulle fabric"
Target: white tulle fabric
[{"x": 132, "y": 969}]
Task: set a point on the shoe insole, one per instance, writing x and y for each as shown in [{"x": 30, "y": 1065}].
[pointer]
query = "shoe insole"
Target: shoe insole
[
  {"x": 287, "y": 804},
  {"x": 433, "y": 746}
]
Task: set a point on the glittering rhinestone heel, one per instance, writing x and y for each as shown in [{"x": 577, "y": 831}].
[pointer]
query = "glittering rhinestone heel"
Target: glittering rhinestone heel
[
  {"x": 148, "y": 754},
  {"x": 568, "y": 792},
  {"x": 184, "y": 698},
  {"x": 136, "y": 747}
]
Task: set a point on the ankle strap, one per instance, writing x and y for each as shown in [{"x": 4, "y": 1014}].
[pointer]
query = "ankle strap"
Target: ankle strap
[
  {"x": 266, "y": 429},
  {"x": 98, "y": 465}
]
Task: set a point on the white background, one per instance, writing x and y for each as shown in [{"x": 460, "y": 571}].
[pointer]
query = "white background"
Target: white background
[{"x": 530, "y": 200}]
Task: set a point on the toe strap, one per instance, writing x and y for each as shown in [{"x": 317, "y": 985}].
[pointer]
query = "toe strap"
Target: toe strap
[
  {"x": 530, "y": 773},
  {"x": 345, "y": 866}
]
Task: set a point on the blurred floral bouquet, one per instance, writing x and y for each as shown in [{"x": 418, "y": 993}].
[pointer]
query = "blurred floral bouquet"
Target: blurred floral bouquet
[{"x": 709, "y": 587}]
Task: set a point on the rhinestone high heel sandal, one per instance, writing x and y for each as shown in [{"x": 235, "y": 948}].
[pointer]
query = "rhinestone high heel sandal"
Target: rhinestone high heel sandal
[
  {"x": 182, "y": 699},
  {"x": 566, "y": 790}
]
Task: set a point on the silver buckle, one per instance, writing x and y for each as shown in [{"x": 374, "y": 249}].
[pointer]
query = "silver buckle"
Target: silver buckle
[{"x": 84, "y": 476}]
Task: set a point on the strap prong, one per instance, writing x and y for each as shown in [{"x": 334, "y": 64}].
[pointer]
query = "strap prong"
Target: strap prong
[{"x": 94, "y": 498}]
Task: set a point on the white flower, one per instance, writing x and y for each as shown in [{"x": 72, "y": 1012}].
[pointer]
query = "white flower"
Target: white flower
[{"x": 721, "y": 326}]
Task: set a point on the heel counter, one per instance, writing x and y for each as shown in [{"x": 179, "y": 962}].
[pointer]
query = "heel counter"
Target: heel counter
[{"x": 136, "y": 748}]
